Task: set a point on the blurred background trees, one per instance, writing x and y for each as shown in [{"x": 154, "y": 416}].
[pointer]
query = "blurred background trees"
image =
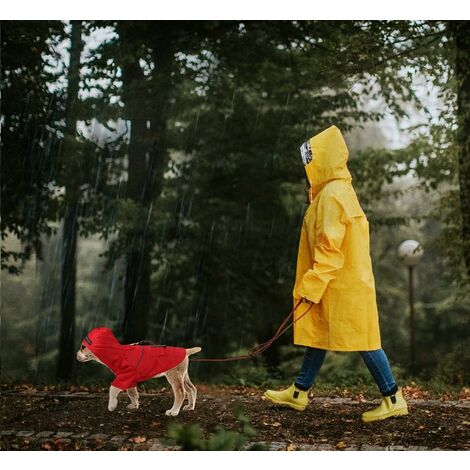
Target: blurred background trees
[{"x": 168, "y": 151}]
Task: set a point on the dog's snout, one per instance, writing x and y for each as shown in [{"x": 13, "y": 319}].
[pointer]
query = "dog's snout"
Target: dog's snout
[{"x": 80, "y": 356}]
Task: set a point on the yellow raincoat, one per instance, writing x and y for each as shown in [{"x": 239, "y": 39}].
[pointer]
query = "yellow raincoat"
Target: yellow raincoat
[{"x": 334, "y": 268}]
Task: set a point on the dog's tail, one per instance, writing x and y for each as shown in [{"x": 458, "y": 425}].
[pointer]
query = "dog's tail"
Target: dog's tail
[{"x": 193, "y": 351}]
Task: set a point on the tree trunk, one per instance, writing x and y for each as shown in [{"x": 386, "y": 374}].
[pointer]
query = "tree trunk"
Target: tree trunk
[
  {"x": 137, "y": 296},
  {"x": 461, "y": 33},
  {"x": 145, "y": 108},
  {"x": 66, "y": 358}
]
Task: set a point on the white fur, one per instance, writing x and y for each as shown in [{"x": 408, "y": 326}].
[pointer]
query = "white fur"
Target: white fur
[{"x": 177, "y": 377}]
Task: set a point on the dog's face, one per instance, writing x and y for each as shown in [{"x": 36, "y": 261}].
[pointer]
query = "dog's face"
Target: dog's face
[{"x": 85, "y": 355}]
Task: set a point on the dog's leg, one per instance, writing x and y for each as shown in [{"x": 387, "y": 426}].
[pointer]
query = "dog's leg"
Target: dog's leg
[
  {"x": 113, "y": 397},
  {"x": 134, "y": 396},
  {"x": 175, "y": 377},
  {"x": 191, "y": 391}
]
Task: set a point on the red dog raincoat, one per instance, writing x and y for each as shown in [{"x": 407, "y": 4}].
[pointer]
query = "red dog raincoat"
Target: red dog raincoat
[{"x": 131, "y": 363}]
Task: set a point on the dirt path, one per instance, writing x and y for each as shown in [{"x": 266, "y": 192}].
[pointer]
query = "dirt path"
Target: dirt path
[{"x": 53, "y": 420}]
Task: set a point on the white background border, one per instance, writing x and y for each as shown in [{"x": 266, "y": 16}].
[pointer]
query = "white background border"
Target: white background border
[{"x": 240, "y": 9}]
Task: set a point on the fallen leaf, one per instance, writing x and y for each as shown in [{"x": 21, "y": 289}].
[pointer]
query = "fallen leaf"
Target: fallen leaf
[
  {"x": 414, "y": 391},
  {"x": 291, "y": 447},
  {"x": 464, "y": 393},
  {"x": 138, "y": 439},
  {"x": 446, "y": 396},
  {"x": 360, "y": 397},
  {"x": 274, "y": 425},
  {"x": 341, "y": 445},
  {"x": 466, "y": 422}
]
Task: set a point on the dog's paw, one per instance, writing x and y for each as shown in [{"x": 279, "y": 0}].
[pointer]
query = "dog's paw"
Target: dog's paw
[
  {"x": 171, "y": 413},
  {"x": 112, "y": 405},
  {"x": 132, "y": 406},
  {"x": 188, "y": 407}
]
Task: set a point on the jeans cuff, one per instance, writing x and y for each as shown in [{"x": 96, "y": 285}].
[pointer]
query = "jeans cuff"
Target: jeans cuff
[
  {"x": 301, "y": 387},
  {"x": 391, "y": 391}
]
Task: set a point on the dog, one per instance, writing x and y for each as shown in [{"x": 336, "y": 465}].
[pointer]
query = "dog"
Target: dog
[{"x": 138, "y": 362}]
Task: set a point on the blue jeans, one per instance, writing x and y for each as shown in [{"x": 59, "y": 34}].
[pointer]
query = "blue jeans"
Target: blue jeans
[{"x": 376, "y": 362}]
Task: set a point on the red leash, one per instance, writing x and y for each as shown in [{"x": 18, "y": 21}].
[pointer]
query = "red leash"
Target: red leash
[{"x": 257, "y": 350}]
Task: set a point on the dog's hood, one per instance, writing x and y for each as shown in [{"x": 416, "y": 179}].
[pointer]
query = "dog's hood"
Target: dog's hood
[
  {"x": 104, "y": 345},
  {"x": 131, "y": 363}
]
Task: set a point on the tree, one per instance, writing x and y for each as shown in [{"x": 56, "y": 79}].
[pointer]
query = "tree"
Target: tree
[
  {"x": 70, "y": 156},
  {"x": 145, "y": 108},
  {"x": 49, "y": 172},
  {"x": 461, "y": 36},
  {"x": 29, "y": 143}
]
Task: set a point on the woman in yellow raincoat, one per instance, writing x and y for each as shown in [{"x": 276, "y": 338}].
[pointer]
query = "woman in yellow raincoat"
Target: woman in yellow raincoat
[{"x": 334, "y": 280}]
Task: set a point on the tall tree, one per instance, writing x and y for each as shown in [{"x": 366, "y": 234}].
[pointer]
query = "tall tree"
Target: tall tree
[
  {"x": 29, "y": 143},
  {"x": 70, "y": 157},
  {"x": 461, "y": 36},
  {"x": 145, "y": 107},
  {"x": 146, "y": 90}
]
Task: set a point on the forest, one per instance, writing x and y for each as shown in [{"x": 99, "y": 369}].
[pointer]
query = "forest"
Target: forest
[{"x": 151, "y": 183}]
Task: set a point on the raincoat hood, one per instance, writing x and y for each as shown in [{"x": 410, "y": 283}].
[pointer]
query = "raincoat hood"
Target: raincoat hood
[
  {"x": 325, "y": 157},
  {"x": 131, "y": 363},
  {"x": 104, "y": 345}
]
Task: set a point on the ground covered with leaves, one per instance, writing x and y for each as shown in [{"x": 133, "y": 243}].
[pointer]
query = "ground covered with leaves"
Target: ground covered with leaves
[{"x": 225, "y": 417}]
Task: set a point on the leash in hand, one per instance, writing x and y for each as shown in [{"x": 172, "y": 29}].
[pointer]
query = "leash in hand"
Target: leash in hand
[{"x": 260, "y": 348}]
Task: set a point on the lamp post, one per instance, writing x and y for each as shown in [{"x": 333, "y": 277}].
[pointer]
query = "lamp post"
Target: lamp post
[{"x": 411, "y": 252}]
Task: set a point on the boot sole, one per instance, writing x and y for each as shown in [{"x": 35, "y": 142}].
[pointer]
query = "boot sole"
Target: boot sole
[
  {"x": 392, "y": 414},
  {"x": 285, "y": 403}
]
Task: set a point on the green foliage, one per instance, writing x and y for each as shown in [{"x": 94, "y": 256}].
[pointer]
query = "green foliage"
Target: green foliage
[
  {"x": 454, "y": 366},
  {"x": 223, "y": 232},
  {"x": 30, "y": 312},
  {"x": 190, "y": 437},
  {"x": 29, "y": 143}
]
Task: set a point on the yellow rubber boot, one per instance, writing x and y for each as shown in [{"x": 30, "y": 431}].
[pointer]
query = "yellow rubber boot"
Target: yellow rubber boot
[
  {"x": 292, "y": 396},
  {"x": 395, "y": 405}
]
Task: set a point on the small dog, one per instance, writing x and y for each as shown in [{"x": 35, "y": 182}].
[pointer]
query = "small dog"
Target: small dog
[{"x": 133, "y": 363}]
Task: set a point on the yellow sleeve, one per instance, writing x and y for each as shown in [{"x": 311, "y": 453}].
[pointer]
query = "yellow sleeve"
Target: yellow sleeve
[{"x": 330, "y": 229}]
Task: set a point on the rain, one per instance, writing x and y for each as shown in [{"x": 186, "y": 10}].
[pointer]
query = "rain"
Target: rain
[{"x": 183, "y": 179}]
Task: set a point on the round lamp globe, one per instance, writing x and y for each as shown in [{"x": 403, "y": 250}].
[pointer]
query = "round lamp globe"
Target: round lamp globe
[{"x": 410, "y": 252}]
